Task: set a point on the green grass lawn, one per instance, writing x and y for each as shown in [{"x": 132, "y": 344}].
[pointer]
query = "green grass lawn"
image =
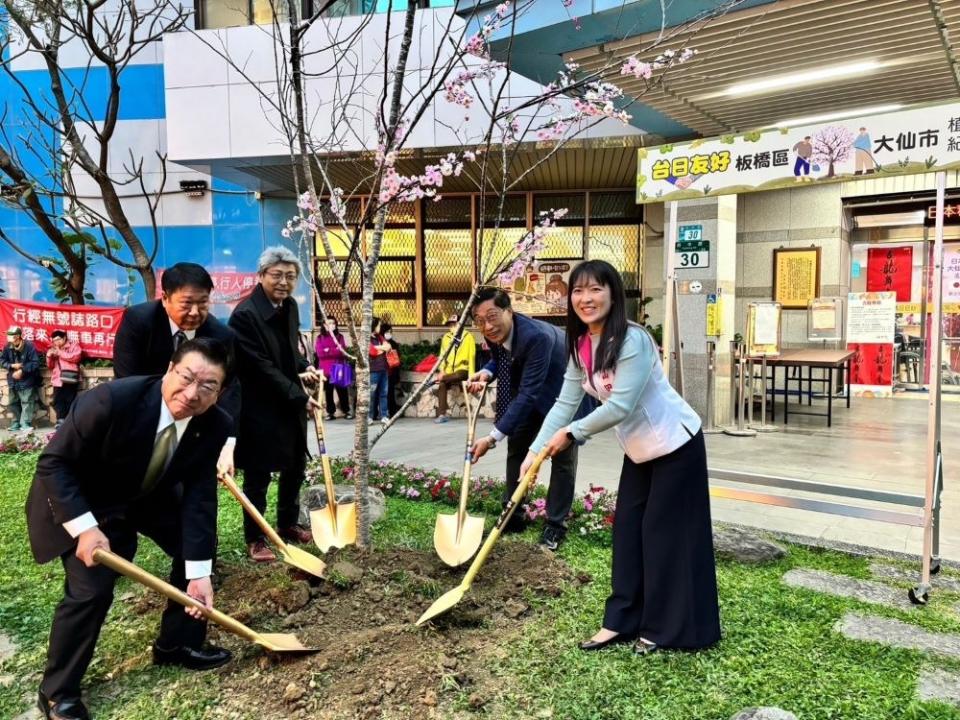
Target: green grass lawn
[{"x": 778, "y": 647}]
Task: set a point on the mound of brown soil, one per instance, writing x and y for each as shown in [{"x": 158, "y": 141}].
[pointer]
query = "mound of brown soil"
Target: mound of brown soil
[{"x": 374, "y": 662}]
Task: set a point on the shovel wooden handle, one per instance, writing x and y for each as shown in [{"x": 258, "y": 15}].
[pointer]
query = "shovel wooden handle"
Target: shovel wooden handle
[
  {"x": 473, "y": 413},
  {"x": 252, "y": 511},
  {"x": 124, "y": 567},
  {"x": 324, "y": 458},
  {"x": 502, "y": 520}
]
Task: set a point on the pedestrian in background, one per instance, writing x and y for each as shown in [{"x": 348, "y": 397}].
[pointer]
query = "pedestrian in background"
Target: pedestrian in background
[
  {"x": 19, "y": 358},
  {"x": 457, "y": 366},
  {"x": 63, "y": 359},
  {"x": 330, "y": 355}
]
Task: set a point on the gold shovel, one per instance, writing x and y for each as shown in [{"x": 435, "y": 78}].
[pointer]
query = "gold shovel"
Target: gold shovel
[
  {"x": 300, "y": 559},
  {"x": 336, "y": 524},
  {"x": 277, "y": 642},
  {"x": 456, "y": 537},
  {"x": 452, "y": 597}
]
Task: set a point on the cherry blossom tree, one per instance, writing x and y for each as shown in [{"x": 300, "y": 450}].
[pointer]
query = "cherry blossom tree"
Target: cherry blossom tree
[
  {"x": 461, "y": 72},
  {"x": 831, "y": 145}
]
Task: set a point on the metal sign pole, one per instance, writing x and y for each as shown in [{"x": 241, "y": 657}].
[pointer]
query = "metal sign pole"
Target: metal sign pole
[
  {"x": 669, "y": 241},
  {"x": 919, "y": 594},
  {"x": 677, "y": 342}
]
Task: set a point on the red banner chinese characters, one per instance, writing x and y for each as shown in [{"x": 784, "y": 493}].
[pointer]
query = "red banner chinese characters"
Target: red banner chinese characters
[
  {"x": 92, "y": 326},
  {"x": 891, "y": 270}
]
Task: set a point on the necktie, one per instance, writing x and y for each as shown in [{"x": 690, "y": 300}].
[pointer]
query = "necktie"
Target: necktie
[
  {"x": 178, "y": 337},
  {"x": 504, "y": 393},
  {"x": 162, "y": 451}
]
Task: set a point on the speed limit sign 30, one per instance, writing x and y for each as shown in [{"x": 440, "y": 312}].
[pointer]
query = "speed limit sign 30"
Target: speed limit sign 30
[{"x": 692, "y": 251}]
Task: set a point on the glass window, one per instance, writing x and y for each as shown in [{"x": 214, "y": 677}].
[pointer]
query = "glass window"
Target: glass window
[{"x": 224, "y": 13}]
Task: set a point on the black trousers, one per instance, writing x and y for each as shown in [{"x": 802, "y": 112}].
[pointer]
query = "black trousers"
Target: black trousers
[
  {"x": 664, "y": 579},
  {"x": 342, "y": 398},
  {"x": 255, "y": 484},
  {"x": 88, "y": 594},
  {"x": 63, "y": 398},
  {"x": 563, "y": 471}
]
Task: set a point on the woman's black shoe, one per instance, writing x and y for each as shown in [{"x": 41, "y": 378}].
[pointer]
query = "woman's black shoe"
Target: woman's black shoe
[
  {"x": 644, "y": 647},
  {"x": 591, "y": 645}
]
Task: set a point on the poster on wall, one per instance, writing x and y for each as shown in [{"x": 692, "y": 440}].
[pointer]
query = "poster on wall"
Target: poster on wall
[
  {"x": 871, "y": 369},
  {"x": 542, "y": 289},
  {"x": 951, "y": 273},
  {"x": 796, "y": 276},
  {"x": 94, "y": 327},
  {"x": 907, "y": 142},
  {"x": 891, "y": 270},
  {"x": 871, "y": 317},
  {"x": 871, "y": 324}
]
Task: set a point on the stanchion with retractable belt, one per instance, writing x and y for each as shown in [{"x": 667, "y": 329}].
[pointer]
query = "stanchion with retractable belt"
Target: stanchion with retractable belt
[
  {"x": 710, "y": 425},
  {"x": 741, "y": 429},
  {"x": 763, "y": 427}
]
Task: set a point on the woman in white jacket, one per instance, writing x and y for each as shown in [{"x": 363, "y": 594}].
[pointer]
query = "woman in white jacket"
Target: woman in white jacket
[{"x": 664, "y": 580}]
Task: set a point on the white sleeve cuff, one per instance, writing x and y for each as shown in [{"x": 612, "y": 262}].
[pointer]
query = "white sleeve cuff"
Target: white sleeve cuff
[
  {"x": 230, "y": 442},
  {"x": 197, "y": 569},
  {"x": 497, "y": 435},
  {"x": 80, "y": 524}
]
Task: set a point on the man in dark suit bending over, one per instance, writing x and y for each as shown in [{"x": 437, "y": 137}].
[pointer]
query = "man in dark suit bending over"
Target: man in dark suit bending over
[
  {"x": 151, "y": 331},
  {"x": 135, "y": 456}
]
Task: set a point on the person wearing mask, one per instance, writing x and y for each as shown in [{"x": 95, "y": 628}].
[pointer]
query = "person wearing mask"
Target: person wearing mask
[
  {"x": 664, "y": 582},
  {"x": 150, "y": 332},
  {"x": 329, "y": 349},
  {"x": 457, "y": 366},
  {"x": 273, "y": 416},
  {"x": 393, "y": 373},
  {"x": 528, "y": 357},
  {"x": 379, "y": 379},
  {"x": 19, "y": 358},
  {"x": 63, "y": 359}
]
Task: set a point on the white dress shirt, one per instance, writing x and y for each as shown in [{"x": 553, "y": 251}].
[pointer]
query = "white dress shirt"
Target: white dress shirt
[{"x": 194, "y": 568}]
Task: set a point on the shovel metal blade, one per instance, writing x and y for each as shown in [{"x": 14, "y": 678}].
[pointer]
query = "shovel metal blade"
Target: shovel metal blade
[
  {"x": 443, "y": 603},
  {"x": 302, "y": 560},
  {"x": 282, "y": 642},
  {"x": 328, "y": 533},
  {"x": 454, "y": 550}
]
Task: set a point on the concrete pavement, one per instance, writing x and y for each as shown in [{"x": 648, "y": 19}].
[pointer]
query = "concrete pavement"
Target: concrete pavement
[{"x": 877, "y": 444}]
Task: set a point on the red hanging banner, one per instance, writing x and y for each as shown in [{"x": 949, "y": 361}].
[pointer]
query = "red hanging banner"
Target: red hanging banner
[
  {"x": 891, "y": 270},
  {"x": 92, "y": 326}
]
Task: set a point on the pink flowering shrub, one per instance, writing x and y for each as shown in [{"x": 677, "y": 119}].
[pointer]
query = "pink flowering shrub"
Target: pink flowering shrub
[
  {"x": 592, "y": 514},
  {"x": 31, "y": 442}
]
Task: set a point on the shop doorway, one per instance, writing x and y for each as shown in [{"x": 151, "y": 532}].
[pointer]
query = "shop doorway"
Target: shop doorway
[{"x": 898, "y": 258}]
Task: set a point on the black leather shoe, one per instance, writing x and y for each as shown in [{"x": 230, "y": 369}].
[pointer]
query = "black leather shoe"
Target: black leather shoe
[
  {"x": 67, "y": 709},
  {"x": 644, "y": 647},
  {"x": 552, "y": 537},
  {"x": 591, "y": 645},
  {"x": 204, "y": 658}
]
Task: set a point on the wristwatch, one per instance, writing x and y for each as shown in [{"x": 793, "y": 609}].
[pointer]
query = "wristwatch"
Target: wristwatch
[
  {"x": 571, "y": 438},
  {"x": 493, "y": 442}
]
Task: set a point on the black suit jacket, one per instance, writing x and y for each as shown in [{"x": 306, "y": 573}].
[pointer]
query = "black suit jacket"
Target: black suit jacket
[
  {"x": 273, "y": 421},
  {"x": 96, "y": 462},
  {"x": 144, "y": 345}
]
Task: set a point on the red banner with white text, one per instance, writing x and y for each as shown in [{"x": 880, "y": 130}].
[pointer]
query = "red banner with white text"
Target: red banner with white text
[{"x": 92, "y": 326}]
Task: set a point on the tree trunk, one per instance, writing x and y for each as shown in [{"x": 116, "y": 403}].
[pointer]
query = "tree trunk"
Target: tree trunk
[{"x": 361, "y": 450}]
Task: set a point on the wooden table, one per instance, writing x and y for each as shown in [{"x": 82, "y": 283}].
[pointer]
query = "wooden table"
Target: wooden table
[{"x": 829, "y": 360}]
